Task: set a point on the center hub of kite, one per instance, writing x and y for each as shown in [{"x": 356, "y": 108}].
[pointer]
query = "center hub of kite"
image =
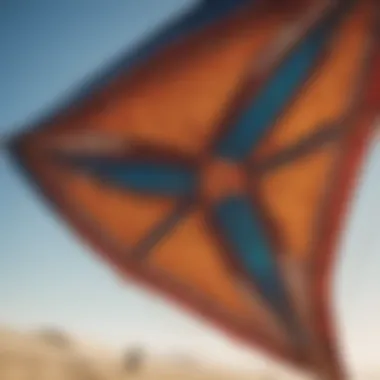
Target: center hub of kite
[{"x": 221, "y": 179}]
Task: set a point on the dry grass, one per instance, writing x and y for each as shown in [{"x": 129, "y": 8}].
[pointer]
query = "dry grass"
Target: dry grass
[{"x": 53, "y": 356}]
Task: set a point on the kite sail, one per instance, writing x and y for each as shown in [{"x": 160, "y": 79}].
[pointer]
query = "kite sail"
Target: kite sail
[{"x": 215, "y": 164}]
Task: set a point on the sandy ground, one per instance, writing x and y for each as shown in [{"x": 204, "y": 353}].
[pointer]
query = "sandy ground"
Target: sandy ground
[
  {"x": 45, "y": 356},
  {"x": 33, "y": 356}
]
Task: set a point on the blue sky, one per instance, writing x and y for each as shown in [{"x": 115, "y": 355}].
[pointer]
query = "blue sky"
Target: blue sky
[{"x": 49, "y": 277}]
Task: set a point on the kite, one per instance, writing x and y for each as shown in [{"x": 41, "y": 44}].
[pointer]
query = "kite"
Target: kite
[{"x": 215, "y": 164}]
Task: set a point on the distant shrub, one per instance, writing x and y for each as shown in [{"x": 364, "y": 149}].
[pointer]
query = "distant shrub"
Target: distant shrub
[
  {"x": 55, "y": 337},
  {"x": 133, "y": 359}
]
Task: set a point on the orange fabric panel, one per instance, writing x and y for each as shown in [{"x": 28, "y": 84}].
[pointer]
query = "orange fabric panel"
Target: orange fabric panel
[
  {"x": 292, "y": 196},
  {"x": 122, "y": 216},
  {"x": 180, "y": 96},
  {"x": 328, "y": 95},
  {"x": 192, "y": 257}
]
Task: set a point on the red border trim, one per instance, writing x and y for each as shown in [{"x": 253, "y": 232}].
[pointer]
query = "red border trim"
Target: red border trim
[{"x": 355, "y": 147}]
